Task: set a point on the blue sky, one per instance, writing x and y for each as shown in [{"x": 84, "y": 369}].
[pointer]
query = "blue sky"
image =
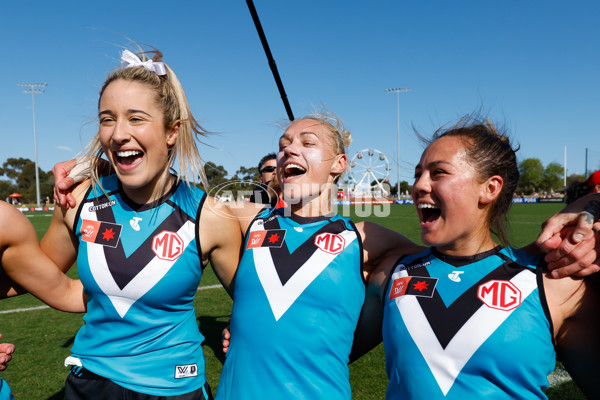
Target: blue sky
[{"x": 533, "y": 65}]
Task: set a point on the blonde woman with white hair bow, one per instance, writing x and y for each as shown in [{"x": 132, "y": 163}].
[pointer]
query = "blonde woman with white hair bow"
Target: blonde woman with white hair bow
[{"x": 141, "y": 237}]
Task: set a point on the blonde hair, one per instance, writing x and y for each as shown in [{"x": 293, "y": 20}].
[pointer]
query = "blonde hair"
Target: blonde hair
[
  {"x": 169, "y": 95},
  {"x": 341, "y": 137}
]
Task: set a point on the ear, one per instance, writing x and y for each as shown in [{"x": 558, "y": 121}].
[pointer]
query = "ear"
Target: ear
[
  {"x": 173, "y": 133},
  {"x": 339, "y": 165},
  {"x": 490, "y": 189}
]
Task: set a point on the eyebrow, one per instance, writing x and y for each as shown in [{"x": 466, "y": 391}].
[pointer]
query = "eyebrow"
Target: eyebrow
[
  {"x": 130, "y": 111},
  {"x": 433, "y": 164},
  {"x": 304, "y": 133}
]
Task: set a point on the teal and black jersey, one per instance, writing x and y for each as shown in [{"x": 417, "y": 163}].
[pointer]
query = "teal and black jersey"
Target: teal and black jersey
[
  {"x": 298, "y": 294},
  {"x": 5, "y": 393},
  {"x": 140, "y": 266},
  {"x": 459, "y": 327}
]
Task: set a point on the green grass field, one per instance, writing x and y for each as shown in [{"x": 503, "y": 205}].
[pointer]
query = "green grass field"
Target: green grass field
[{"x": 44, "y": 336}]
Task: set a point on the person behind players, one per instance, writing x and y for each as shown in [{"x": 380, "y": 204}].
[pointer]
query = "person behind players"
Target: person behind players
[{"x": 264, "y": 193}]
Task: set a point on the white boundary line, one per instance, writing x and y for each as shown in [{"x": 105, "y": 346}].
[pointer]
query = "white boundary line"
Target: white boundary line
[{"x": 43, "y": 307}]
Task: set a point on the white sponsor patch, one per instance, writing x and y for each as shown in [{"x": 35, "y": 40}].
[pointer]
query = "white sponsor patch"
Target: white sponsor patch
[{"x": 186, "y": 371}]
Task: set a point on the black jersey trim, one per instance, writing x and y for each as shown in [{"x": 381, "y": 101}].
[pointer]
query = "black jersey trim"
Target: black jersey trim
[
  {"x": 539, "y": 272},
  {"x": 445, "y": 325},
  {"x": 360, "y": 250},
  {"x": 461, "y": 261},
  {"x": 95, "y": 198},
  {"x": 309, "y": 220},
  {"x": 197, "y": 233},
  {"x": 153, "y": 204},
  {"x": 288, "y": 263},
  {"x": 122, "y": 268},
  {"x": 79, "y": 208}
]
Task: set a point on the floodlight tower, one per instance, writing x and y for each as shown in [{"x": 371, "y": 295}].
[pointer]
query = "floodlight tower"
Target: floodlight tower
[
  {"x": 34, "y": 88},
  {"x": 398, "y": 91}
]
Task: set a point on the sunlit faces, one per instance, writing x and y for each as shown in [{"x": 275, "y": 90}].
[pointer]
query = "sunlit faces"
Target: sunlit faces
[
  {"x": 306, "y": 162},
  {"x": 451, "y": 200},
  {"x": 134, "y": 138}
]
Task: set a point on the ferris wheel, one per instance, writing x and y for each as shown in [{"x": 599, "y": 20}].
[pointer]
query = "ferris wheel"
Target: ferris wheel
[{"x": 369, "y": 170}]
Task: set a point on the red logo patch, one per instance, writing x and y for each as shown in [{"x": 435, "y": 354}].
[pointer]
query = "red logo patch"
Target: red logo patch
[
  {"x": 104, "y": 233},
  {"x": 399, "y": 287},
  {"x": 266, "y": 238},
  {"x": 421, "y": 286},
  {"x": 500, "y": 295},
  {"x": 256, "y": 239},
  {"x": 167, "y": 245},
  {"x": 330, "y": 243}
]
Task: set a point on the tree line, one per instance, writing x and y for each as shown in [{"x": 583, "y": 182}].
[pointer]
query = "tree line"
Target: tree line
[{"x": 18, "y": 175}]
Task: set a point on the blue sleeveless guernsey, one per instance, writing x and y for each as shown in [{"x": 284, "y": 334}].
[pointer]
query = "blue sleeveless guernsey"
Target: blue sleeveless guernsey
[
  {"x": 5, "y": 393},
  {"x": 467, "y": 327},
  {"x": 140, "y": 266},
  {"x": 297, "y": 298}
]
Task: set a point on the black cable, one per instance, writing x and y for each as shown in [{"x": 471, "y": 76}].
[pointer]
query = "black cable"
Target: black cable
[{"x": 272, "y": 64}]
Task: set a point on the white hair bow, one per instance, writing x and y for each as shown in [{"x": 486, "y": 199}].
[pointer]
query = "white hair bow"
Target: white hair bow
[{"x": 131, "y": 60}]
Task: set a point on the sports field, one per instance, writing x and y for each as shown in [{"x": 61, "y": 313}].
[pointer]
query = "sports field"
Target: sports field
[{"x": 44, "y": 336}]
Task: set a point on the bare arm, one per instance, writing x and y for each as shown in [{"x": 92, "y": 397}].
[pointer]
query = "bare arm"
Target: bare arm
[
  {"x": 220, "y": 240},
  {"x": 380, "y": 243},
  {"x": 574, "y": 307},
  {"x": 368, "y": 331},
  {"x": 59, "y": 243},
  {"x": 26, "y": 264},
  {"x": 245, "y": 212}
]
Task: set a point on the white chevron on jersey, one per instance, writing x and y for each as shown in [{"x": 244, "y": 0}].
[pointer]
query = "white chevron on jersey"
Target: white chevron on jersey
[
  {"x": 150, "y": 275},
  {"x": 446, "y": 364},
  {"x": 281, "y": 297}
]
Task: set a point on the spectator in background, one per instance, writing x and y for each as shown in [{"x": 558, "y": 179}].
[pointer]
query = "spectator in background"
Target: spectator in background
[
  {"x": 577, "y": 188},
  {"x": 265, "y": 193},
  {"x": 593, "y": 182}
]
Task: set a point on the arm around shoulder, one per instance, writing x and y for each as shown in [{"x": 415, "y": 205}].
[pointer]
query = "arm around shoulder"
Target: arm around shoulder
[
  {"x": 368, "y": 331},
  {"x": 220, "y": 240},
  {"x": 575, "y": 309},
  {"x": 380, "y": 243},
  {"x": 60, "y": 243}
]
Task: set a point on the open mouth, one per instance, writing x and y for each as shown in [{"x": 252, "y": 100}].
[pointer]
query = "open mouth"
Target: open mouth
[
  {"x": 292, "y": 170},
  {"x": 128, "y": 157},
  {"x": 429, "y": 212}
]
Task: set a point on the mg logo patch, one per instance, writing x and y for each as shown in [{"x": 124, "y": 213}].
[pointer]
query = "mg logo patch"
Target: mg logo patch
[
  {"x": 167, "y": 245},
  {"x": 330, "y": 243},
  {"x": 500, "y": 295},
  {"x": 186, "y": 371}
]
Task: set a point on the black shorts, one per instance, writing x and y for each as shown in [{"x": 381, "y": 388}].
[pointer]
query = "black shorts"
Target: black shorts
[{"x": 85, "y": 385}]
